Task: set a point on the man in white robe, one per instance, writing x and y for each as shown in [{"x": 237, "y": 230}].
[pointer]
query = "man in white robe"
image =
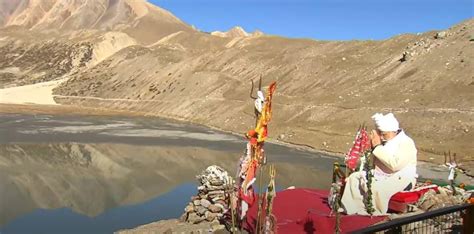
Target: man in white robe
[{"x": 395, "y": 168}]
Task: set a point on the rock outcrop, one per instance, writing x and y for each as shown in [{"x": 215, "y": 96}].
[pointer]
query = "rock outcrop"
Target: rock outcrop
[{"x": 237, "y": 32}]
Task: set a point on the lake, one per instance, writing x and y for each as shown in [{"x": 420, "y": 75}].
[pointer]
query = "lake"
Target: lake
[{"x": 96, "y": 174}]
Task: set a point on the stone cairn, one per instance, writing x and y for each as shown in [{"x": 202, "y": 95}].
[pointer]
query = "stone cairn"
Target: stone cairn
[{"x": 211, "y": 202}]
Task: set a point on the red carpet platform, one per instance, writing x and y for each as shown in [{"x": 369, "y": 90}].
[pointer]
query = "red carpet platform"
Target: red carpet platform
[{"x": 307, "y": 211}]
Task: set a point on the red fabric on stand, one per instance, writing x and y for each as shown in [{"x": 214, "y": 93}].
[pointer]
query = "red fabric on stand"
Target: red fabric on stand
[
  {"x": 307, "y": 211},
  {"x": 405, "y": 197},
  {"x": 399, "y": 202},
  {"x": 411, "y": 196}
]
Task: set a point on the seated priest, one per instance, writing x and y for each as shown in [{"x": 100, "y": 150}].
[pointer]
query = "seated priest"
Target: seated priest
[{"x": 395, "y": 168}]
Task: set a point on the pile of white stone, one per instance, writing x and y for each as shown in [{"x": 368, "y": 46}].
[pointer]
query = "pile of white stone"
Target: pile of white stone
[{"x": 211, "y": 202}]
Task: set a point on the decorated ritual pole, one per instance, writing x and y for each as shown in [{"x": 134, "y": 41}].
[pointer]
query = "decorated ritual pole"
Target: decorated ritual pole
[
  {"x": 253, "y": 159},
  {"x": 262, "y": 131}
]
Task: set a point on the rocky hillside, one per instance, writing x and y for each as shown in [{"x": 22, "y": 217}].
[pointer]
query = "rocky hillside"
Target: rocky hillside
[
  {"x": 27, "y": 58},
  {"x": 326, "y": 89}
]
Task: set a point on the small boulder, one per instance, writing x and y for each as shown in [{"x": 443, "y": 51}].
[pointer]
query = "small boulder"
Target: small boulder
[
  {"x": 215, "y": 208},
  {"x": 200, "y": 210},
  {"x": 216, "y": 182},
  {"x": 441, "y": 35},
  {"x": 405, "y": 56},
  {"x": 205, "y": 203},
  {"x": 218, "y": 198},
  {"x": 210, "y": 216},
  {"x": 217, "y": 228},
  {"x": 194, "y": 218},
  {"x": 197, "y": 202}
]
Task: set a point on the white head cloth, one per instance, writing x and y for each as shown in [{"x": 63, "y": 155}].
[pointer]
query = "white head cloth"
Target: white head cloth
[{"x": 386, "y": 123}]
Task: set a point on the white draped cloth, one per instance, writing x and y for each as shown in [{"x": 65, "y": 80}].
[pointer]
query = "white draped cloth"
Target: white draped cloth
[{"x": 259, "y": 102}]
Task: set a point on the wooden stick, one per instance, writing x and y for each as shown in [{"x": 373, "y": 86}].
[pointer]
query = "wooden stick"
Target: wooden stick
[
  {"x": 259, "y": 208},
  {"x": 232, "y": 208}
]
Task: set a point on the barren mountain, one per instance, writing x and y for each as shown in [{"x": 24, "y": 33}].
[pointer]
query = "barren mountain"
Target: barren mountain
[
  {"x": 144, "y": 21},
  {"x": 326, "y": 89},
  {"x": 47, "y": 40}
]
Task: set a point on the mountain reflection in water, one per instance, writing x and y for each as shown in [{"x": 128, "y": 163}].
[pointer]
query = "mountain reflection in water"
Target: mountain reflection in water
[{"x": 60, "y": 187}]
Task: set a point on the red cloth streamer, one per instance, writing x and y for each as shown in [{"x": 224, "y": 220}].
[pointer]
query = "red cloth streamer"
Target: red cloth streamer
[
  {"x": 361, "y": 144},
  {"x": 354, "y": 153},
  {"x": 365, "y": 143},
  {"x": 250, "y": 197},
  {"x": 266, "y": 114}
]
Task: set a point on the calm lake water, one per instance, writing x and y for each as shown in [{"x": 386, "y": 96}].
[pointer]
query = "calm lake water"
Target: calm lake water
[{"x": 89, "y": 174}]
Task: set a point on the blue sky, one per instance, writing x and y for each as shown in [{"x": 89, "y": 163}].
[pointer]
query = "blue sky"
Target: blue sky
[{"x": 322, "y": 19}]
